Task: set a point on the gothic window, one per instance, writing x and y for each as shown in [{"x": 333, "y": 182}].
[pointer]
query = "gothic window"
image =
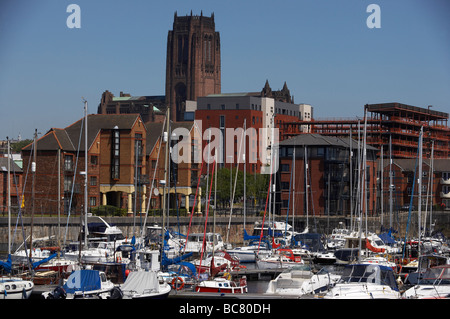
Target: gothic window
[{"x": 207, "y": 50}]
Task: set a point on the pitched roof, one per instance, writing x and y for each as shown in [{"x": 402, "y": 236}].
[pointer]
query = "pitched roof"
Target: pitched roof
[
  {"x": 312, "y": 139},
  {"x": 70, "y": 137},
  {"x": 155, "y": 130},
  {"x": 409, "y": 164},
  {"x": 4, "y": 165}
]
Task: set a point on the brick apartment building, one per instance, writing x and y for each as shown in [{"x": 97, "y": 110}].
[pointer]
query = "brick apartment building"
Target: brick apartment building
[
  {"x": 112, "y": 144},
  {"x": 259, "y": 110},
  {"x": 435, "y": 184},
  {"x": 183, "y": 173},
  {"x": 15, "y": 184},
  {"x": 330, "y": 178}
]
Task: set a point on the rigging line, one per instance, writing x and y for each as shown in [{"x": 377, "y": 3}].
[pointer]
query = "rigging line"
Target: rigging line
[
  {"x": 19, "y": 215},
  {"x": 289, "y": 202},
  {"x": 235, "y": 180},
  {"x": 19, "y": 204},
  {"x": 312, "y": 199},
  {"x": 172, "y": 171},
  {"x": 206, "y": 218},
  {"x": 265, "y": 210},
  {"x": 73, "y": 183},
  {"x": 153, "y": 181},
  {"x": 410, "y": 204},
  {"x": 193, "y": 206}
]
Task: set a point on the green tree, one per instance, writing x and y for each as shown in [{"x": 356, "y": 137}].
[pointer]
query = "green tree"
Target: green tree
[
  {"x": 256, "y": 186},
  {"x": 17, "y": 147}
]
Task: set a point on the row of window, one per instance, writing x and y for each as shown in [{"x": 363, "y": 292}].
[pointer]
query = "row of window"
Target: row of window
[
  {"x": 257, "y": 107},
  {"x": 69, "y": 164}
]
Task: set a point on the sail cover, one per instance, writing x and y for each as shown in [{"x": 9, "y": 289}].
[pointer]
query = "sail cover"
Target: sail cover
[
  {"x": 83, "y": 280},
  {"x": 141, "y": 282},
  {"x": 7, "y": 264}
]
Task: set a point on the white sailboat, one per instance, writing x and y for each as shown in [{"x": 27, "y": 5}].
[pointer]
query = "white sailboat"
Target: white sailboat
[{"x": 12, "y": 287}]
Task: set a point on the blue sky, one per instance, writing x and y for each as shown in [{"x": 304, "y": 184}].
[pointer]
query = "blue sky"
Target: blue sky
[{"x": 323, "y": 49}]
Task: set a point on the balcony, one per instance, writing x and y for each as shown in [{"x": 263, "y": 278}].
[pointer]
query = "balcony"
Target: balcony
[{"x": 445, "y": 181}]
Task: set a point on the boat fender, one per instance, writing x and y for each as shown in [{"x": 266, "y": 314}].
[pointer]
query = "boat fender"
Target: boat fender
[{"x": 175, "y": 281}]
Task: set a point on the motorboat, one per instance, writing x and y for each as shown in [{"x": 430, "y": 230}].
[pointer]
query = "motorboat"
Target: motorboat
[
  {"x": 380, "y": 260},
  {"x": 281, "y": 258},
  {"x": 281, "y": 232},
  {"x": 248, "y": 253},
  {"x": 144, "y": 284},
  {"x": 222, "y": 285},
  {"x": 434, "y": 284},
  {"x": 212, "y": 242},
  {"x": 413, "y": 271},
  {"x": 324, "y": 258},
  {"x": 365, "y": 281},
  {"x": 290, "y": 281},
  {"x": 336, "y": 239},
  {"x": 83, "y": 284},
  {"x": 321, "y": 281},
  {"x": 15, "y": 288},
  {"x": 103, "y": 231}
]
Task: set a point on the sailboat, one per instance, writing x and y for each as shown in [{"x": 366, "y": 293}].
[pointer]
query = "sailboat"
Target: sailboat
[{"x": 12, "y": 287}]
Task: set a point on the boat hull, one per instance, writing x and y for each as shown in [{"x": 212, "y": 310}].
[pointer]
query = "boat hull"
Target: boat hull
[{"x": 235, "y": 290}]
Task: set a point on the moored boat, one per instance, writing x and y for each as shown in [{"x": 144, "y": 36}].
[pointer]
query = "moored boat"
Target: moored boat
[
  {"x": 144, "y": 284},
  {"x": 83, "y": 284},
  {"x": 281, "y": 258},
  {"x": 15, "y": 288},
  {"x": 222, "y": 285},
  {"x": 365, "y": 281},
  {"x": 435, "y": 284}
]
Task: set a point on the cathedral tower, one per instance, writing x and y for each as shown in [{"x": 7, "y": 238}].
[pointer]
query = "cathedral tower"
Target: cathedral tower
[{"x": 193, "y": 62}]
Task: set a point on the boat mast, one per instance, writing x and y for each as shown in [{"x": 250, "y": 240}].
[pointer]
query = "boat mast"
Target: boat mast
[
  {"x": 351, "y": 177},
  {"x": 419, "y": 187},
  {"x": 293, "y": 194},
  {"x": 9, "y": 197},
  {"x": 306, "y": 186},
  {"x": 245, "y": 169},
  {"x": 381, "y": 186},
  {"x": 33, "y": 183},
  {"x": 86, "y": 231},
  {"x": 166, "y": 158},
  {"x": 391, "y": 185},
  {"x": 430, "y": 178}
]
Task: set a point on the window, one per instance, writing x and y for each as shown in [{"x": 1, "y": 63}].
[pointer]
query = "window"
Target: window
[
  {"x": 92, "y": 201},
  {"x": 115, "y": 155},
  {"x": 93, "y": 180},
  {"x": 68, "y": 183},
  {"x": 68, "y": 163},
  {"x": 94, "y": 159},
  {"x": 284, "y": 167}
]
